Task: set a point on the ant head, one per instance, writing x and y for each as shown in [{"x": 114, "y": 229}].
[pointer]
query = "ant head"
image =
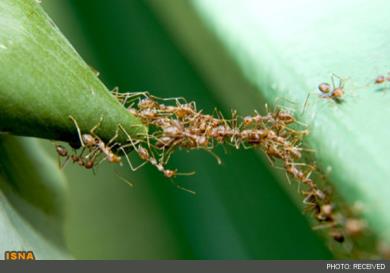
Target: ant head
[
  {"x": 324, "y": 87},
  {"x": 169, "y": 173},
  {"x": 61, "y": 150}
]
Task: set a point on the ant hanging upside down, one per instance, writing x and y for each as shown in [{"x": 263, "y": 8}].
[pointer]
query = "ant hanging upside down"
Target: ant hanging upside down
[{"x": 95, "y": 147}]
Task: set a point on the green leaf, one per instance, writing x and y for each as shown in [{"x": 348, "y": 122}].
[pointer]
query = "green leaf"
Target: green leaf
[
  {"x": 43, "y": 81},
  {"x": 239, "y": 212},
  {"x": 32, "y": 200},
  {"x": 284, "y": 50}
]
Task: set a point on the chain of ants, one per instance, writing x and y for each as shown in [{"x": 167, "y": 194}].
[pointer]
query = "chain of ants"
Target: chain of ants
[
  {"x": 181, "y": 125},
  {"x": 176, "y": 124}
]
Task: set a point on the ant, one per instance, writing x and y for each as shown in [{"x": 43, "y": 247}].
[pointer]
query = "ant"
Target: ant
[
  {"x": 144, "y": 154},
  {"x": 62, "y": 152},
  {"x": 96, "y": 146},
  {"x": 354, "y": 227},
  {"x": 332, "y": 91},
  {"x": 381, "y": 79}
]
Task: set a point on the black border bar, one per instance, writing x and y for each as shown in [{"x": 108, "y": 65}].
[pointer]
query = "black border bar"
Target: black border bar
[{"x": 195, "y": 266}]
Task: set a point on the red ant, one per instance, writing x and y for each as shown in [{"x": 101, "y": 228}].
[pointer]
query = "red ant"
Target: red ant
[
  {"x": 381, "y": 79},
  {"x": 333, "y": 92},
  {"x": 96, "y": 146},
  {"x": 62, "y": 152}
]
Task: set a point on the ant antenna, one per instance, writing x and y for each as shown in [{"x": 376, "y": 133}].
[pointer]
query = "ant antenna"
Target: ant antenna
[
  {"x": 129, "y": 183},
  {"x": 182, "y": 188}
]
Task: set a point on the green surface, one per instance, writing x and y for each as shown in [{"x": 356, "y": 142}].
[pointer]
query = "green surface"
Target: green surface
[
  {"x": 32, "y": 200},
  {"x": 285, "y": 49},
  {"x": 240, "y": 210},
  {"x": 43, "y": 80}
]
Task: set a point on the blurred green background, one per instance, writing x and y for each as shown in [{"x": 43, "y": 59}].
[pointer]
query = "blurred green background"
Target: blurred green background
[{"x": 241, "y": 211}]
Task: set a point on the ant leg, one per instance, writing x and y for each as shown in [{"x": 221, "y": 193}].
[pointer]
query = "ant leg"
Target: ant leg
[
  {"x": 182, "y": 188},
  {"x": 94, "y": 153},
  {"x": 271, "y": 161},
  {"x": 288, "y": 179},
  {"x": 333, "y": 83},
  {"x": 130, "y": 164},
  {"x": 101, "y": 161},
  {"x": 131, "y": 139},
  {"x": 132, "y": 144},
  {"x": 306, "y": 200},
  {"x": 305, "y": 105},
  {"x": 166, "y": 154},
  {"x": 115, "y": 91},
  {"x": 341, "y": 80},
  {"x": 266, "y": 108},
  {"x": 129, "y": 96},
  {"x": 132, "y": 97},
  {"x": 221, "y": 117},
  {"x": 124, "y": 179},
  {"x": 324, "y": 226},
  {"x": 245, "y": 146},
  {"x": 279, "y": 168},
  {"x": 193, "y": 105},
  {"x": 81, "y": 153},
  {"x": 219, "y": 161},
  {"x": 177, "y": 99},
  {"x": 297, "y": 164},
  {"x": 113, "y": 138},
  {"x": 92, "y": 131},
  {"x": 63, "y": 164},
  {"x": 299, "y": 187},
  {"x": 78, "y": 130},
  {"x": 311, "y": 168},
  {"x": 186, "y": 174},
  {"x": 59, "y": 162}
]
